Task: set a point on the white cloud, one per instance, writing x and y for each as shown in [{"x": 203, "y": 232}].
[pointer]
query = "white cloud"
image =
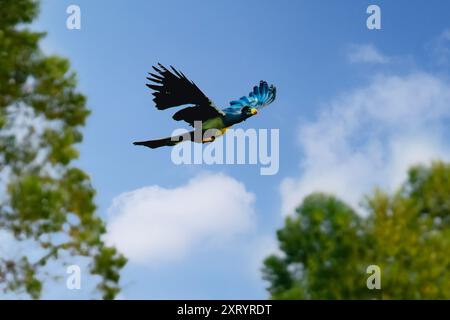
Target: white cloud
[
  {"x": 8, "y": 244},
  {"x": 371, "y": 136},
  {"x": 440, "y": 48},
  {"x": 153, "y": 224},
  {"x": 258, "y": 249},
  {"x": 366, "y": 53}
]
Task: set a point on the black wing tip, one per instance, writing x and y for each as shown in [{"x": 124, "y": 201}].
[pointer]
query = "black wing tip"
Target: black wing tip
[
  {"x": 162, "y": 67},
  {"x": 179, "y": 74},
  {"x": 159, "y": 81},
  {"x": 158, "y": 70},
  {"x": 163, "y": 71},
  {"x": 154, "y": 87}
]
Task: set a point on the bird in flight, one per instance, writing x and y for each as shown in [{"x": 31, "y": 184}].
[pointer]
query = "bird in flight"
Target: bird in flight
[{"x": 172, "y": 89}]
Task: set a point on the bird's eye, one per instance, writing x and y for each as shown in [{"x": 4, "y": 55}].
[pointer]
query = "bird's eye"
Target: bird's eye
[{"x": 245, "y": 109}]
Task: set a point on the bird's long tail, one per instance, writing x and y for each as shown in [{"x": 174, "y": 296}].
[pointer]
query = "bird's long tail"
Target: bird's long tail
[{"x": 169, "y": 141}]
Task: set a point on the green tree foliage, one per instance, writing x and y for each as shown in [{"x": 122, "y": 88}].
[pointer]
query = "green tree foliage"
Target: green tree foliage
[
  {"x": 326, "y": 246},
  {"x": 45, "y": 201}
]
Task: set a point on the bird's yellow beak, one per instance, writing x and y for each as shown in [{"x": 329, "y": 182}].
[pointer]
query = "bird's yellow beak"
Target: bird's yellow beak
[{"x": 253, "y": 111}]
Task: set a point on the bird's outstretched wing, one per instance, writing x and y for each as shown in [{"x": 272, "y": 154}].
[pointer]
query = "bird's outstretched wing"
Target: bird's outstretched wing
[
  {"x": 260, "y": 97},
  {"x": 175, "y": 89}
]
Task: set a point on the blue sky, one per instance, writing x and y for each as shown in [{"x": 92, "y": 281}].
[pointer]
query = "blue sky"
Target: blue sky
[{"x": 327, "y": 67}]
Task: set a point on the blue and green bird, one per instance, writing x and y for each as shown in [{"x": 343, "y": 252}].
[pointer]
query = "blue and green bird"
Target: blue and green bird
[{"x": 172, "y": 88}]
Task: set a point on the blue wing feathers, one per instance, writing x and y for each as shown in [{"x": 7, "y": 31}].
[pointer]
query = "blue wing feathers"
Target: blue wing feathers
[
  {"x": 260, "y": 97},
  {"x": 255, "y": 91}
]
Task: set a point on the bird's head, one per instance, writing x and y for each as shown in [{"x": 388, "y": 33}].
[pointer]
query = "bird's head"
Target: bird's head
[{"x": 247, "y": 111}]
